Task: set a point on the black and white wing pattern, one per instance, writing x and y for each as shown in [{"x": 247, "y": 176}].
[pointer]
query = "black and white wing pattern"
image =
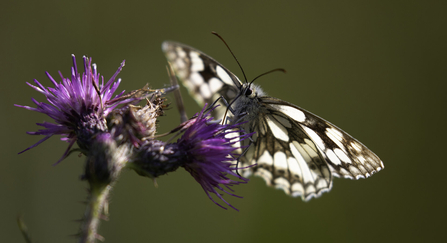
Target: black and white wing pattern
[
  {"x": 293, "y": 149},
  {"x": 205, "y": 78},
  {"x": 299, "y": 152}
]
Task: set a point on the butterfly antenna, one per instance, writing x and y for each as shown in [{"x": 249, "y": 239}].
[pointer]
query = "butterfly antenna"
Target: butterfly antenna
[
  {"x": 271, "y": 71},
  {"x": 220, "y": 37}
]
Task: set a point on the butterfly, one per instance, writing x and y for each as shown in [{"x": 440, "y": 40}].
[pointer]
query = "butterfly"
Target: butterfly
[{"x": 291, "y": 149}]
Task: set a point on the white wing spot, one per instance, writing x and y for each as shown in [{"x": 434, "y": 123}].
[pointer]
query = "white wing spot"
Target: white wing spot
[
  {"x": 205, "y": 91},
  {"x": 307, "y": 176},
  {"x": 315, "y": 138},
  {"x": 294, "y": 168},
  {"x": 342, "y": 155},
  {"x": 310, "y": 146},
  {"x": 356, "y": 146},
  {"x": 278, "y": 130},
  {"x": 215, "y": 85},
  {"x": 361, "y": 159},
  {"x": 222, "y": 74},
  {"x": 294, "y": 113},
  {"x": 310, "y": 192},
  {"x": 180, "y": 52},
  {"x": 264, "y": 174},
  {"x": 297, "y": 189},
  {"x": 337, "y": 134},
  {"x": 356, "y": 172},
  {"x": 233, "y": 136},
  {"x": 196, "y": 62},
  {"x": 321, "y": 184},
  {"x": 280, "y": 161},
  {"x": 332, "y": 157},
  {"x": 303, "y": 152},
  {"x": 282, "y": 183},
  {"x": 265, "y": 158},
  {"x": 180, "y": 64},
  {"x": 196, "y": 79},
  {"x": 246, "y": 172},
  {"x": 171, "y": 56},
  {"x": 335, "y": 138},
  {"x": 165, "y": 45}
]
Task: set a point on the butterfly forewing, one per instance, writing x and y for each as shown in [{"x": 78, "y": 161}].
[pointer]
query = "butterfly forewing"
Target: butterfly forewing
[
  {"x": 292, "y": 149},
  {"x": 205, "y": 78}
]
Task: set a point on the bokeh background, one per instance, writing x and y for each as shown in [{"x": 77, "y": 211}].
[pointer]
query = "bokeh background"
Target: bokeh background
[{"x": 377, "y": 69}]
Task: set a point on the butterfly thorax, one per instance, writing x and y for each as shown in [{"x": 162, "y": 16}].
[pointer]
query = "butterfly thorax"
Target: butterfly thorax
[{"x": 247, "y": 106}]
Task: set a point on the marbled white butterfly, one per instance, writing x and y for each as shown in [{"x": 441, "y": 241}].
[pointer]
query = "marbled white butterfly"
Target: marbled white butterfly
[{"x": 294, "y": 150}]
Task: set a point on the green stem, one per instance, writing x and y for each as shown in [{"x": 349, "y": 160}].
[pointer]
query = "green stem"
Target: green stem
[
  {"x": 92, "y": 217},
  {"x": 103, "y": 168}
]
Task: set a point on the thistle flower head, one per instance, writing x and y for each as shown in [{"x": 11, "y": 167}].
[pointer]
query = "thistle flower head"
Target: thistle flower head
[
  {"x": 156, "y": 158},
  {"x": 136, "y": 124},
  {"x": 210, "y": 153},
  {"x": 105, "y": 160},
  {"x": 78, "y": 105}
]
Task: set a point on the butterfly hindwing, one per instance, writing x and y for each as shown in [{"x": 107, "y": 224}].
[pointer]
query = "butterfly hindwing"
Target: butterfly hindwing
[{"x": 286, "y": 157}]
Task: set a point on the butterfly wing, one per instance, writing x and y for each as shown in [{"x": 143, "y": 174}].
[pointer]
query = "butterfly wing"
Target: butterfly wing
[
  {"x": 205, "y": 78},
  {"x": 294, "y": 150},
  {"x": 299, "y": 152},
  {"x": 286, "y": 157}
]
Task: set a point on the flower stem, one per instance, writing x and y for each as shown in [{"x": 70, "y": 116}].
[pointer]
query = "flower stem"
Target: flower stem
[
  {"x": 103, "y": 168},
  {"x": 94, "y": 212}
]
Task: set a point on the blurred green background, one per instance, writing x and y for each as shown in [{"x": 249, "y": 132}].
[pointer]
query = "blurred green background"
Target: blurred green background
[{"x": 377, "y": 69}]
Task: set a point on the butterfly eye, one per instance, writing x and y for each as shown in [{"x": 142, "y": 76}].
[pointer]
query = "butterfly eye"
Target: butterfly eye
[{"x": 248, "y": 92}]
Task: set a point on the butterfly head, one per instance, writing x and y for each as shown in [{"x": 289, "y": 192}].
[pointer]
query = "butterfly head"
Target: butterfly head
[
  {"x": 250, "y": 90},
  {"x": 247, "y": 103}
]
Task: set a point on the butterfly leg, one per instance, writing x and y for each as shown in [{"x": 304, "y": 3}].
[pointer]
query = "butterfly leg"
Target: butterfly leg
[
  {"x": 226, "y": 104},
  {"x": 177, "y": 94},
  {"x": 241, "y": 156},
  {"x": 221, "y": 98}
]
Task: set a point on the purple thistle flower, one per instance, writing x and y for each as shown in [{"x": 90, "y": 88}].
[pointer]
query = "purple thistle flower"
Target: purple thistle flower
[
  {"x": 210, "y": 153},
  {"x": 78, "y": 105}
]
